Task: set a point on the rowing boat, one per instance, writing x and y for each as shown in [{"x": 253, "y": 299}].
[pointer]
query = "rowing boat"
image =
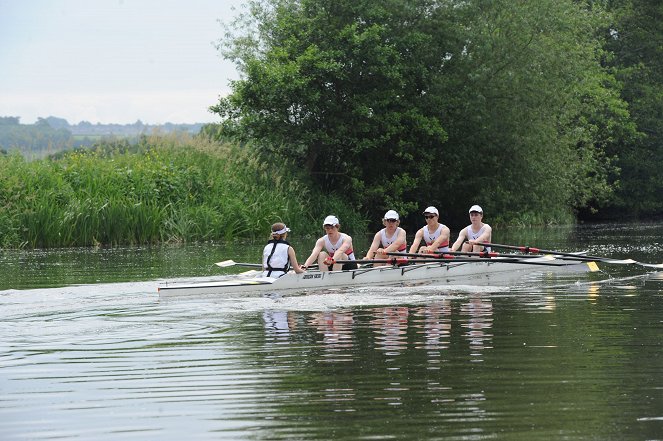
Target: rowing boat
[{"x": 473, "y": 272}]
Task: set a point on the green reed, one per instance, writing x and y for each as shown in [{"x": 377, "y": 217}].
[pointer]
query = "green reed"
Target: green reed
[{"x": 164, "y": 189}]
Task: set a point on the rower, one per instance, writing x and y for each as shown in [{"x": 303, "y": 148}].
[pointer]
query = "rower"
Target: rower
[
  {"x": 278, "y": 255},
  {"x": 333, "y": 250},
  {"x": 434, "y": 234},
  {"x": 390, "y": 239},
  {"x": 476, "y": 232}
]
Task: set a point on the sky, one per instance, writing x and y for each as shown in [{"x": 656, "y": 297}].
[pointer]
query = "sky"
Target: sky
[{"x": 113, "y": 61}]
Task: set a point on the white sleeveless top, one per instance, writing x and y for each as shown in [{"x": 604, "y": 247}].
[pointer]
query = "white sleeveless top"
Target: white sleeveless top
[
  {"x": 331, "y": 248},
  {"x": 386, "y": 241},
  {"x": 278, "y": 261},
  {"x": 429, "y": 238},
  {"x": 471, "y": 235}
]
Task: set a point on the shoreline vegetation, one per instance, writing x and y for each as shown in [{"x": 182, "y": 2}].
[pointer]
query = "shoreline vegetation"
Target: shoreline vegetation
[{"x": 164, "y": 189}]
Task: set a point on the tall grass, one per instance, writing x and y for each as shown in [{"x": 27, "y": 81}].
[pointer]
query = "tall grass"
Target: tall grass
[{"x": 164, "y": 189}]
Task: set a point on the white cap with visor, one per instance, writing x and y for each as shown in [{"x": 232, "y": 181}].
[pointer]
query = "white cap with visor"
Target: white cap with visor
[
  {"x": 331, "y": 220},
  {"x": 391, "y": 214}
]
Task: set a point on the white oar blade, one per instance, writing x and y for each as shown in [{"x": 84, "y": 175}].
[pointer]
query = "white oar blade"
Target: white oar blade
[
  {"x": 226, "y": 263},
  {"x": 621, "y": 261},
  {"x": 652, "y": 265},
  {"x": 250, "y": 273}
]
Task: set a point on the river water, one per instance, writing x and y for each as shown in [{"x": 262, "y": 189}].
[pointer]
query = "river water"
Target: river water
[{"x": 89, "y": 351}]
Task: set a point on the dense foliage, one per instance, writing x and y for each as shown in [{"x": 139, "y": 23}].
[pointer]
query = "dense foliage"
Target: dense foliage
[
  {"x": 405, "y": 103},
  {"x": 636, "y": 39},
  {"x": 163, "y": 189}
]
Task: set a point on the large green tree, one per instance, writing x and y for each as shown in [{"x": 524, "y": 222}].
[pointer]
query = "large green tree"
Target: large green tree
[
  {"x": 636, "y": 39},
  {"x": 404, "y": 103},
  {"x": 530, "y": 110}
]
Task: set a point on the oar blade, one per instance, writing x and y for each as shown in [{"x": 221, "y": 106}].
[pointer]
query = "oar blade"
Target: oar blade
[
  {"x": 250, "y": 273},
  {"x": 620, "y": 261},
  {"x": 227, "y": 263}
]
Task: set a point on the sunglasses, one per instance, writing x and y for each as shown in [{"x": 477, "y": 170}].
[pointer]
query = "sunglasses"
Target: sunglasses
[
  {"x": 429, "y": 216},
  {"x": 391, "y": 220}
]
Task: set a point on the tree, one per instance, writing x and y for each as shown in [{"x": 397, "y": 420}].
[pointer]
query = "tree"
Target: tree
[
  {"x": 341, "y": 88},
  {"x": 408, "y": 102},
  {"x": 636, "y": 39},
  {"x": 529, "y": 110}
]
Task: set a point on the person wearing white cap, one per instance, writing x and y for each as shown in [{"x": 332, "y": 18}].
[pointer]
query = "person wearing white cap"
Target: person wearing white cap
[
  {"x": 391, "y": 238},
  {"x": 474, "y": 233},
  {"x": 278, "y": 255},
  {"x": 332, "y": 248},
  {"x": 434, "y": 234}
]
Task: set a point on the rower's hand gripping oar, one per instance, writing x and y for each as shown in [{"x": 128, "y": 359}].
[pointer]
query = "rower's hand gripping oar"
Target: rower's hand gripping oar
[{"x": 570, "y": 256}]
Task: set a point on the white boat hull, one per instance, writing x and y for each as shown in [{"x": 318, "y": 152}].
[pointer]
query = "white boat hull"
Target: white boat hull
[{"x": 480, "y": 272}]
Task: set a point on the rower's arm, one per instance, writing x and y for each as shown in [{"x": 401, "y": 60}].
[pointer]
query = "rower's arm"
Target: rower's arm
[
  {"x": 459, "y": 242},
  {"x": 444, "y": 238},
  {"x": 314, "y": 254},
  {"x": 347, "y": 244},
  {"x": 374, "y": 246},
  {"x": 485, "y": 236},
  {"x": 400, "y": 240},
  {"x": 417, "y": 240}
]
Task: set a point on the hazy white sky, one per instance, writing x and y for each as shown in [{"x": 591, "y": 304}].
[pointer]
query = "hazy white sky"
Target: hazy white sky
[{"x": 113, "y": 61}]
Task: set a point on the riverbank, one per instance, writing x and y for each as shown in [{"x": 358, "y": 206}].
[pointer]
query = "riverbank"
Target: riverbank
[{"x": 164, "y": 189}]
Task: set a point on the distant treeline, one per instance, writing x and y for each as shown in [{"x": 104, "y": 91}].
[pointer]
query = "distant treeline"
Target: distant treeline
[{"x": 51, "y": 135}]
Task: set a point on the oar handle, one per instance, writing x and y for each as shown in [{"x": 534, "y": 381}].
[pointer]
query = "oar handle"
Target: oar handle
[
  {"x": 450, "y": 254},
  {"x": 571, "y": 256},
  {"x": 522, "y": 249}
]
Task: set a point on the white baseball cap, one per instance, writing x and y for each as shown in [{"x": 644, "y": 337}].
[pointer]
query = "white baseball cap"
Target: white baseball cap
[
  {"x": 391, "y": 214},
  {"x": 431, "y": 210},
  {"x": 331, "y": 220},
  {"x": 476, "y": 208}
]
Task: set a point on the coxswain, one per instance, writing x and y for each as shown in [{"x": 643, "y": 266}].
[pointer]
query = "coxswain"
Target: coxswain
[{"x": 278, "y": 256}]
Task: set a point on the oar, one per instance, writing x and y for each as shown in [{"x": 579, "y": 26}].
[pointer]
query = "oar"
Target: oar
[
  {"x": 227, "y": 263},
  {"x": 452, "y": 254},
  {"x": 570, "y": 256},
  {"x": 395, "y": 261},
  {"x": 481, "y": 254}
]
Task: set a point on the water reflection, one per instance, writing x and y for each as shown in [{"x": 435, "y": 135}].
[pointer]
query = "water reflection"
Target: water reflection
[
  {"x": 336, "y": 330},
  {"x": 390, "y": 326},
  {"x": 477, "y": 319},
  {"x": 394, "y": 329},
  {"x": 278, "y": 325},
  {"x": 433, "y": 322}
]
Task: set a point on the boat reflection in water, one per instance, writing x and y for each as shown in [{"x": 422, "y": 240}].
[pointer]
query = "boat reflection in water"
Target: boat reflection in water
[{"x": 393, "y": 329}]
